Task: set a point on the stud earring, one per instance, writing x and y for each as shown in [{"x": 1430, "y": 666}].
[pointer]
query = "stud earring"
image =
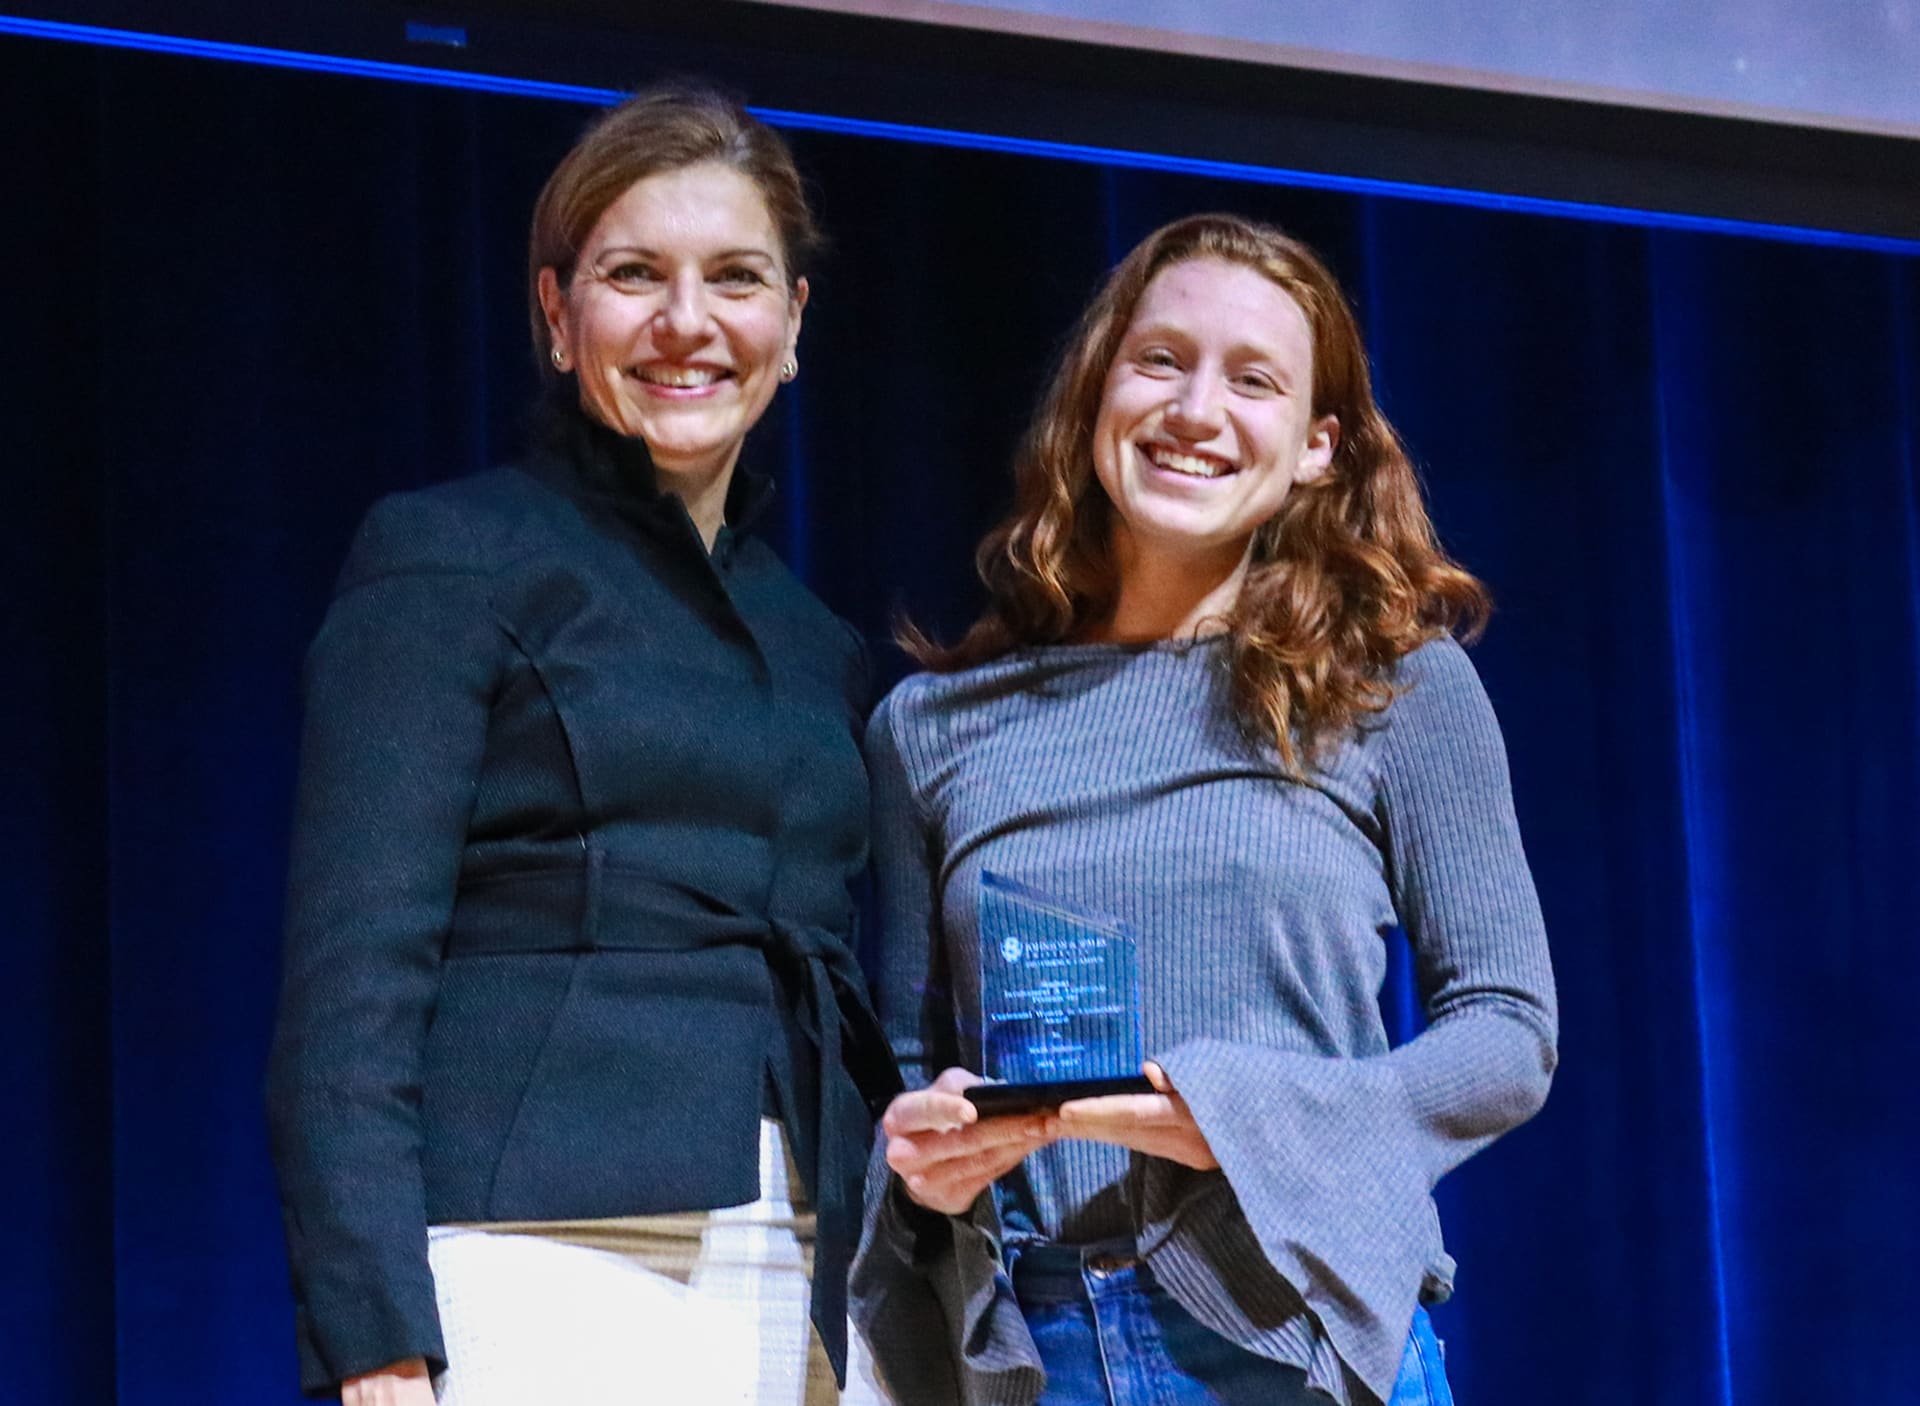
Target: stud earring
[
  {"x": 789, "y": 369},
  {"x": 559, "y": 360}
]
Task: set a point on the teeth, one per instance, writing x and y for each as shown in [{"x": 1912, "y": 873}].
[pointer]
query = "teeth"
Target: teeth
[
  {"x": 1192, "y": 464},
  {"x": 680, "y": 377}
]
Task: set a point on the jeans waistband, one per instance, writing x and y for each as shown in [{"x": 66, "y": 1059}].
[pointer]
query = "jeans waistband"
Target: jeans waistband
[{"x": 1042, "y": 1270}]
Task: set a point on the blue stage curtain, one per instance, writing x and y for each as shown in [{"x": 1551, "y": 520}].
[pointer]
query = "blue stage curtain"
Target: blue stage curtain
[{"x": 240, "y": 303}]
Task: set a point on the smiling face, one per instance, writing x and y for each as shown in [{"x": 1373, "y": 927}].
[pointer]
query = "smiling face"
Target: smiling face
[
  {"x": 1206, "y": 421},
  {"x": 677, "y": 319}
]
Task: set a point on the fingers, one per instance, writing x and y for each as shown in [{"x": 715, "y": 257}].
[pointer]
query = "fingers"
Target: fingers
[
  {"x": 1158, "y": 1125},
  {"x": 927, "y": 1111},
  {"x": 950, "y": 1184},
  {"x": 944, "y": 1152},
  {"x": 913, "y": 1154},
  {"x": 939, "y": 1107},
  {"x": 954, "y": 1080},
  {"x": 1115, "y": 1112},
  {"x": 402, "y": 1384}
]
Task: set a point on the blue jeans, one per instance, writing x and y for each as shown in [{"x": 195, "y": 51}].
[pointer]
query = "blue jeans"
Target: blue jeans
[{"x": 1110, "y": 1335}]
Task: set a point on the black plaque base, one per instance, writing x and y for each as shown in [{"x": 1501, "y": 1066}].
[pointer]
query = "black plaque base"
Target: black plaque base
[{"x": 998, "y": 1100}]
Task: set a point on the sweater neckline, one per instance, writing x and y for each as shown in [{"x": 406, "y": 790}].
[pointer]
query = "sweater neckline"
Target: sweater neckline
[{"x": 1106, "y": 649}]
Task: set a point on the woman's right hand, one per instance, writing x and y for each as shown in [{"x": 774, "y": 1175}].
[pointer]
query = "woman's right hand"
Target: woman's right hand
[
  {"x": 945, "y": 1153},
  {"x": 401, "y": 1384}
]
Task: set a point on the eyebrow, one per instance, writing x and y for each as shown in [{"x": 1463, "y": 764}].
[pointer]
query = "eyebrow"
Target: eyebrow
[
  {"x": 709, "y": 258},
  {"x": 1147, "y": 331}
]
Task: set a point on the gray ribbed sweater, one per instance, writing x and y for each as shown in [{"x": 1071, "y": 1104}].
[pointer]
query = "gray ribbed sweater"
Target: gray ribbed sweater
[{"x": 1112, "y": 777}]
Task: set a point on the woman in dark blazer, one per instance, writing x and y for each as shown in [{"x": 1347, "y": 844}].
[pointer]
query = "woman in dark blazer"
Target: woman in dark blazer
[{"x": 568, "y": 959}]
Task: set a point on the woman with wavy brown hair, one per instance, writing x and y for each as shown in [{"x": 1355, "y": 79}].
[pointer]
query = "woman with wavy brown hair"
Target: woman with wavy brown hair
[{"x": 1215, "y": 701}]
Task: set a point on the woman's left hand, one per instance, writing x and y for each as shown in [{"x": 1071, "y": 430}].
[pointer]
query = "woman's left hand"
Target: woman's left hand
[{"x": 1159, "y": 1124}]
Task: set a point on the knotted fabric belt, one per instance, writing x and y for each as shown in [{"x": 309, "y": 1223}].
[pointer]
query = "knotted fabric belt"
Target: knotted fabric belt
[{"x": 597, "y": 907}]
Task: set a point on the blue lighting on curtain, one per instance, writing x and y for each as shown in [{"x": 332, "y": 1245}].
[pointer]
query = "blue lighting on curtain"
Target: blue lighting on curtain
[
  {"x": 1701, "y": 827},
  {"x": 950, "y": 137},
  {"x": 1902, "y": 295}
]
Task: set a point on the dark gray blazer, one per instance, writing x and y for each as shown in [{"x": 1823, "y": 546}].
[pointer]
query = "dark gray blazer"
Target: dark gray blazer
[{"x": 579, "y": 805}]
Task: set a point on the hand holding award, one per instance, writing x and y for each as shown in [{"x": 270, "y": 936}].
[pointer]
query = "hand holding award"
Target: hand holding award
[
  {"x": 1060, "y": 1033},
  {"x": 946, "y": 1153}
]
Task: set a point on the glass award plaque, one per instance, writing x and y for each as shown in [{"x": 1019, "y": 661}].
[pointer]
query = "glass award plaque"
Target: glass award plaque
[{"x": 1059, "y": 1002}]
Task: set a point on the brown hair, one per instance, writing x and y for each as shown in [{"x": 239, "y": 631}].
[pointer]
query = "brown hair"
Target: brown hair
[
  {"x": 1345, "y": 579},
  {"x": 660, "y": 129}
]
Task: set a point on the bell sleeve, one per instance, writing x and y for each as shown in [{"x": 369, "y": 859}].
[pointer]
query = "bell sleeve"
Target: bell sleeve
[
  {"x": 928, "y": 1290},
  {"x": 1333, "y": 1161}
]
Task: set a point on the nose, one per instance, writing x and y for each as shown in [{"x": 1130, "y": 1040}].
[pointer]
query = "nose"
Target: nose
[
  {"x": 1198, "y": 408},
  {"x": 684, "y": 314}
]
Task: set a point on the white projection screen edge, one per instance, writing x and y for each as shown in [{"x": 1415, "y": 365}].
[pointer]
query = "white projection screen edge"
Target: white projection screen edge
[{"x": 1793, "y": 62}]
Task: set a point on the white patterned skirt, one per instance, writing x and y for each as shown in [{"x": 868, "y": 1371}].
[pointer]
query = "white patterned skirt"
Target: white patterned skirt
[{"x": 702, "y": 1307}]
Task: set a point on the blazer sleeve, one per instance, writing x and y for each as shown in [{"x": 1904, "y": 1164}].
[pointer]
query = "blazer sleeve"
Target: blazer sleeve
[{"x": 397, "y": 692}]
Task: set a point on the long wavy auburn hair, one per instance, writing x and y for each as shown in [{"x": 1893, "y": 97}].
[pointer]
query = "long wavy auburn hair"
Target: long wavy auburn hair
[{"x": 1345, "y": 579}]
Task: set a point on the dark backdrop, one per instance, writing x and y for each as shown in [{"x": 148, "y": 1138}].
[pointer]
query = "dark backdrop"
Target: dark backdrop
[{"x": 240, "y": 303}]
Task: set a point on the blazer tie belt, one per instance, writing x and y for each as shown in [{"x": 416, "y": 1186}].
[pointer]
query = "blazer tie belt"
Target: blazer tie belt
[{"x": 596, "y": 907}]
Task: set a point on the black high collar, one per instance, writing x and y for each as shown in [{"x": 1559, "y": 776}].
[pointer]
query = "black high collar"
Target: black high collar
[{"x": 619, "y": 470}]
